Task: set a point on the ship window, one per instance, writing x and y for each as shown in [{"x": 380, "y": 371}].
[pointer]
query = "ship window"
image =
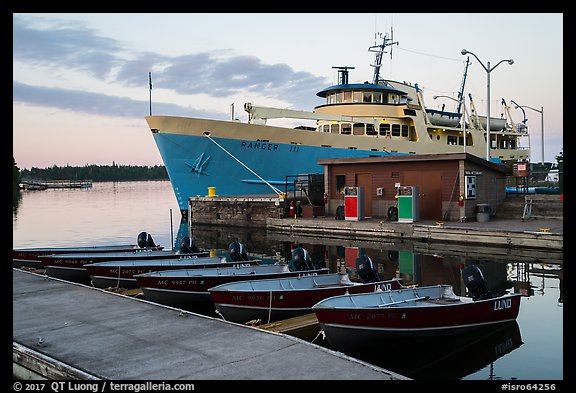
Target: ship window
[
  {"x": 346, "y": 128},
  {"x": 330, "y": 98},
  {"x": 451, "y": 140},
  {"x": 326, "y": 128},
  {"x": 377, "y": 96},
  {"x": 395, "y": 129},
  {"x": 370, "y": 129},
  {"x": 358, "y": 129},
  {"x": 461, "y": 140},
  {"x": 409, "y": 112},
  {"x": 405, "y": 130},
  {"x": 384, "y": 129},
  {"x": 357, "y": 96},
  {"x": 335, "y": 128},
  {"x": 338, "y": 98},
  {"x": 367, "y": 96},
  {"x": 340, "y": 182},
  {"x": 347, "y": 96},
  {"x": 395, "y": 175}
]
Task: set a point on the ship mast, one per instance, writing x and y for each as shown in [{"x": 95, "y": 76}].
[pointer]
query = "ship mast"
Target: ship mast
[{"x": 380, "y": 49}]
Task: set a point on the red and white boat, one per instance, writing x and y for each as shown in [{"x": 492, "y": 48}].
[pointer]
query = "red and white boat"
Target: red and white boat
[
  {"x": 276, "y": 299},
  {"x": 361, "y": 321},
  {"x": 71, "y": 266},
  {"x": 28, "y": 257},
  {"x": 121, "y": 273},
  {"x": 189, "y": 288}
]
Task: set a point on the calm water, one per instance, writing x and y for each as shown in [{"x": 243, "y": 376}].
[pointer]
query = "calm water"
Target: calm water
[{"x": 532, "y": 349}]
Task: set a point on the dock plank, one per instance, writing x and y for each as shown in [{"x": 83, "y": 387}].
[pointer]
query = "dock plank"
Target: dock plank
[{"x": 118, "y": 337}]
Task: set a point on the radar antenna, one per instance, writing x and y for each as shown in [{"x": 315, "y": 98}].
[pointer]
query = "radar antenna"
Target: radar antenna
[{"x": 343, "y": 74}]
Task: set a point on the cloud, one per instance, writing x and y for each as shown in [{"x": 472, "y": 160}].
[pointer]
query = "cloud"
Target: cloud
[
  {"x": 97, "y": 104},
  {"x": 69, "y": 48}
]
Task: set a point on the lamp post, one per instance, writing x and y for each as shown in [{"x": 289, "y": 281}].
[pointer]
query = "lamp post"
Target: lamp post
[
  {"x": 488, "y": 71},
  {"x": 541, "y": 111},
  {"x": 463, "y": 103}
]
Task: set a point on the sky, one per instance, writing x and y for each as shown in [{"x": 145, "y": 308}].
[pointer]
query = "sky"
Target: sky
[{"x": 81, "y": 80}]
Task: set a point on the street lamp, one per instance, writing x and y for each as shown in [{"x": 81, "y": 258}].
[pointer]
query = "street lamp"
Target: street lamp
[
  {"x": 488, "y": 71},
  {"x": 463, "y": 103},
  {"x": 541, "y": 111}
]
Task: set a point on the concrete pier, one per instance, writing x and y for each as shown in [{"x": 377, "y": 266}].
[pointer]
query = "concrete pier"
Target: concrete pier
[{"x": 67, "y": 330}]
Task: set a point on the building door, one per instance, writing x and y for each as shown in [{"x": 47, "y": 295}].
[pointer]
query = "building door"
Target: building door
[
  {"x": 365, "y": 180},
  {"x": 430, "y": 197}
]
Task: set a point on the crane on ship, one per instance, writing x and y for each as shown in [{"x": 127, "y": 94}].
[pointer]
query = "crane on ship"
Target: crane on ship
[
  {"x": 461, "y": 92},
  {"x": 380, "y": 50}
]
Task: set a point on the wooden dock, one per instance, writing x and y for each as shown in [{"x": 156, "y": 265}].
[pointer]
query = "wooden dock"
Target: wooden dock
[
  {"x": 44, "y": 185},
  {"x": 305, "y": 327},
  {"x": 73, "y": 331}
]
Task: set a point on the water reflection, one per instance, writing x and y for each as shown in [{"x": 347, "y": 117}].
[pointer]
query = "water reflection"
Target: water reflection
[
  {"x": 450, "y": 358},
  {"x": 16, "y": 198},
  {"x": 476, "y": 355}
]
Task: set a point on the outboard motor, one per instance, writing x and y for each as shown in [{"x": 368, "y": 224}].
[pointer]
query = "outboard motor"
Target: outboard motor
[
  {"x": 142, "y": 239},
  {"x": 475, "y": 282},
  {"x": 188, "y": 246},
  {"x": 366, "y": 270},
  {"x": 301, "y": 259},
  {"x": 238, "y": 252},
  {"x": 150, "y": 242}
]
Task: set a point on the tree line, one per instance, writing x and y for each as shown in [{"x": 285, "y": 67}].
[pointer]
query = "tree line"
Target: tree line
[{"x": 94, "y": 173}]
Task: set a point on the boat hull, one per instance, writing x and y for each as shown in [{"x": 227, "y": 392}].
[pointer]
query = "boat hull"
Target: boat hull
[
  {"x": 122, "y": 273},
  {"x": 273, "y": 305},
  {"x": 186, "y": 292},
  {"x": 71, "y": 266},
  {"x": 194, "y": 163},
  {"x": 443, "y": 119},
  {"x": 361, "y": 328},
  {"x": 29, "y": 257}
]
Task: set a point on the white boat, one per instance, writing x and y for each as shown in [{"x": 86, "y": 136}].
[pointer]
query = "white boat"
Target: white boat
[{"x": 381, "y": 118}]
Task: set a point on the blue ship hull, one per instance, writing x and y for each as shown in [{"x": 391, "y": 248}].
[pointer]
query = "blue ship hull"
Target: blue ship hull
[{"x": 195, "y": 163}]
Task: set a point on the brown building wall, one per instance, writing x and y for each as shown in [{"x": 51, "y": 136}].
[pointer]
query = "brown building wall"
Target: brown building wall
[{"x": 440, "y": 182}]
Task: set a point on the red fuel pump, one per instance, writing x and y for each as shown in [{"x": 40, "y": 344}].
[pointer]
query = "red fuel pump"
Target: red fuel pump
[{"x": 291, "y": 208}]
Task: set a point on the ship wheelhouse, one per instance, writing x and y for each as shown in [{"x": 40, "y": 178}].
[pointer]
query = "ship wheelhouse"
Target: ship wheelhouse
[{"x": 368, "y": 109}]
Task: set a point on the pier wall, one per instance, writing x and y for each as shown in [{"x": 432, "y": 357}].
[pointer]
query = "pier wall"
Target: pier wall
[{"x": 235, "y": 211}]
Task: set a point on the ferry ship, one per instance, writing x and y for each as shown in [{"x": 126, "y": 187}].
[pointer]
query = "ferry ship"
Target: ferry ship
[{"x": 380, "y": 118}]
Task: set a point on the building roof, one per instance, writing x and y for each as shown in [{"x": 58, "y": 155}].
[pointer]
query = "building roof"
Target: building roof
[{"x": 418, "y": 157}]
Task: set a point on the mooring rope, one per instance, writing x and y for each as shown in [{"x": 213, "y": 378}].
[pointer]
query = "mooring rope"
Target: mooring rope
[
  {"x": 270, "y": 307},
  {"x": 276, "y": 190}
]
